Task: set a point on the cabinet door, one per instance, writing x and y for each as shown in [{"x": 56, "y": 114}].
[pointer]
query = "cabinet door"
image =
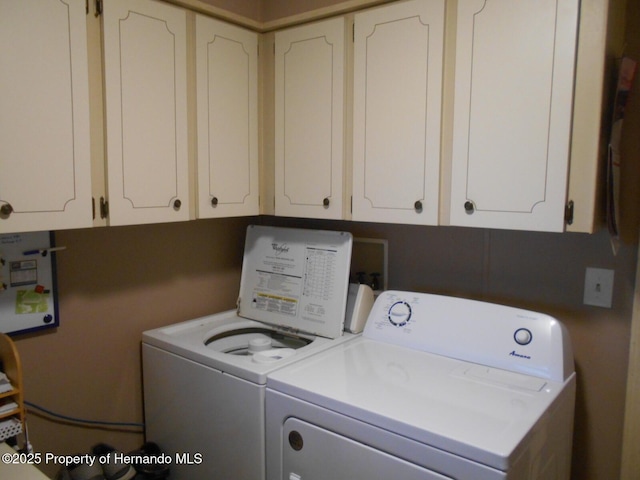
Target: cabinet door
[
  {"x": 146, "y": 111},
  {"x": 398, "y": 57},
  {"x": 309, "y": 111},
  {"x": 512, "y": 113},
  {"x": 227, "y": 104},
  {"x": 45, "y": 173}
]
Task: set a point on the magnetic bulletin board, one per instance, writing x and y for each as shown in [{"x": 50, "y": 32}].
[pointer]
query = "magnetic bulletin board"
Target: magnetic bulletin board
[{"x": 28, "y": 293}]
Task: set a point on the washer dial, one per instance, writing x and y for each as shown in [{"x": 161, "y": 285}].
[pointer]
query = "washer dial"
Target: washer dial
[
  {"x": 399, "y": 313},
  {"x": 523, "y": 336}
]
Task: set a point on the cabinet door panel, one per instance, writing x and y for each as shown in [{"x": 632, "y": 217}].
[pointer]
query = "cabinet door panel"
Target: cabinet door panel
[
  {"x": 44, "y": 116},
  {"x": 146, "y": 116},
  {"x": 397, "y": 107},
  {"x": 512, "y": 113},
  {"x": 309, "y": 120},
  {"x": 227, "y": 93}
]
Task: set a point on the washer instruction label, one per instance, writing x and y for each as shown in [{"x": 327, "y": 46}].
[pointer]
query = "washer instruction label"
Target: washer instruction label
[{"x": 296, "y": 278}]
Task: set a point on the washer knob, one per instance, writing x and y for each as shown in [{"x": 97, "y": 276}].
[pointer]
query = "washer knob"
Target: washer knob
[
  {"x": 523, "y": 336},
  {"x": 399, "y": 313}
]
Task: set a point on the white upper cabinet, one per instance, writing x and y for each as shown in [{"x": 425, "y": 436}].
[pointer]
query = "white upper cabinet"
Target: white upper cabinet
[
  {"x": 145, "y": 69},
  {"x": 45, "y": 172},
  {"x": 309, "y": 120},
  {"x": 398, "y": 62},
  {"x": 514, "y": 74},
  {"x": 227, "y": 106}
]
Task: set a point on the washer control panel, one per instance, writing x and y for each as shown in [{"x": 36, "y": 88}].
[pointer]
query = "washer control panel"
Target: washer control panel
[{"x": 484, "y": 333}]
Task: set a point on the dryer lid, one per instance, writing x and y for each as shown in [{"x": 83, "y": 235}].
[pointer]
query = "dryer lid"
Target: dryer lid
[{"x": 296, "y": 279}]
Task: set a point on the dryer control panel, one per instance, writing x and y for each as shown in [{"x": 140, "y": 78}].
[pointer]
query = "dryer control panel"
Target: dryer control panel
[{"x": 488, "y": 334}]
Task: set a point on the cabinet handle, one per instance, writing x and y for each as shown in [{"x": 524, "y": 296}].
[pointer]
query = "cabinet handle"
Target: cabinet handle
[
  {"x": 418, "y": 206},
  {"x": 214, "y": 201},
  {"x": 177, "y": 204},
  {"x": 6, "y": 210},
  {"x": 326, "y": 201},
  {"x": 469, "y": 207}
]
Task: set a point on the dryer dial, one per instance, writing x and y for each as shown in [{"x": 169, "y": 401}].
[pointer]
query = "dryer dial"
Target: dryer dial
[
  {"x": 399, "y": 313},
  {"x": 523, "y": 336}
]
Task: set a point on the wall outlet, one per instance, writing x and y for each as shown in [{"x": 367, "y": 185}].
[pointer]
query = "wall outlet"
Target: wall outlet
[{"x": 598, "y": 287}]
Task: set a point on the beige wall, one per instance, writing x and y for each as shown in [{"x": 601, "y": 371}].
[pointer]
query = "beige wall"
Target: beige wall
[
  {"x": 116, "y": 282},
  {"x": 276, "y": 9},
  {"x": 266, "y": 11}
]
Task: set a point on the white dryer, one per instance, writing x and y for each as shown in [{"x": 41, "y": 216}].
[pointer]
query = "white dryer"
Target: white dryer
[
  {"x": 204, "y": 379},
  {"x": 435, "y": 388}
]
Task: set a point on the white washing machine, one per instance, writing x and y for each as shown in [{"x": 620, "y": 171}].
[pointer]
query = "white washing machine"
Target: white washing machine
[
  {"x": 435, "y": 388},
  {"x": 204, "y": 379}
]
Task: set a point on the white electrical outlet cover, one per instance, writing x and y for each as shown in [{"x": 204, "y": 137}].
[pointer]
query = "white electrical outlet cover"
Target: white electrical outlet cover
[{"x": 598, "y": 287}]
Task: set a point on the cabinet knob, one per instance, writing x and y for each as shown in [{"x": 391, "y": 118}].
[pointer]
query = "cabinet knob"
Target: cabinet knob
[
  {"x": 6, "y": 210},
  {"x": 177, "y": 204},
  {"x": 418, "y": 206},
  {"x": 214, "y": 201},
  {"x": 326, "y": 201},
  {"x": 469, "y": 207}
]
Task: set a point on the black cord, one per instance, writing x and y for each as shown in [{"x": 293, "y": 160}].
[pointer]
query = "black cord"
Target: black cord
[{"x": 80, "y": 420}]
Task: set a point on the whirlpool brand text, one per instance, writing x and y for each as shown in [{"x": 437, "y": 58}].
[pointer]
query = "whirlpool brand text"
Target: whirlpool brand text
[{"x": 280, "y": 249}]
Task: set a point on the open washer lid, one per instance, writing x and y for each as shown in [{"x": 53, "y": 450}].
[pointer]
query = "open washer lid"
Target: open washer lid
[{"x": 296, "y": 279}]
